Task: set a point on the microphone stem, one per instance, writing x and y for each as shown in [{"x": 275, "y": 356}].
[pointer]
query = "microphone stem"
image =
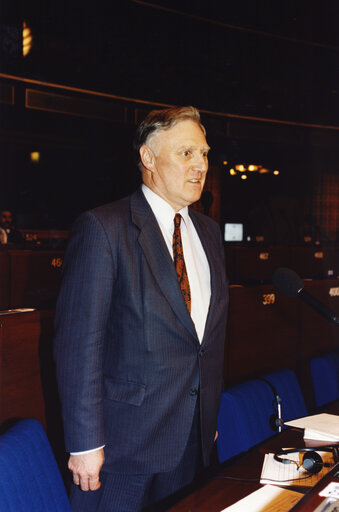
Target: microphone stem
[
  {"x": 318, "y": 306},
  {"x": 279, "y": 416}
]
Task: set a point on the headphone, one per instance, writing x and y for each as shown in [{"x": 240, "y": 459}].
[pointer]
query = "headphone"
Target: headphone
[{"x": 312, "y": 461}]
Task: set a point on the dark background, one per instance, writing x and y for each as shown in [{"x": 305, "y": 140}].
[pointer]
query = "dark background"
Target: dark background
[{"x": 243, "y": 63}]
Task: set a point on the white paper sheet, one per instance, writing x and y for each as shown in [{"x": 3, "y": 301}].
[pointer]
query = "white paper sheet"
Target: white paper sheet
[
  {"x": 331, "y": 491},
  {"x": 268, "y": 498}
]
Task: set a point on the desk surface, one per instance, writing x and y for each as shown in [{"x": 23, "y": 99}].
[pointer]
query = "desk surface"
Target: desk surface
[{"x": 220, "y": 492}]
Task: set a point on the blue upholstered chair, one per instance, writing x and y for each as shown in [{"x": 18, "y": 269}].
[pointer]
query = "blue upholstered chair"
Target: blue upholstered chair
[
  {"x": 246, "y": 409},
  {"x": 325, "y": 377},
  {"x": 29, "y": 476}
]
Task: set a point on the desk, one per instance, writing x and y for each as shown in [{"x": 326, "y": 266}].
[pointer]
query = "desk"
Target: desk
[
  {"x": 220, "y": 493},
  {"x": 312, "y": 499}
]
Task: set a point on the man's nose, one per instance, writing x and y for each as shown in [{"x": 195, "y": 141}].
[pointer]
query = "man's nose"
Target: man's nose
[{"x": 200, "y": 162}]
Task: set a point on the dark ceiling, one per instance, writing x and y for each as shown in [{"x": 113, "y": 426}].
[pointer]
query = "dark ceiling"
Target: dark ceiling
[{"x": 269, "y": 59}]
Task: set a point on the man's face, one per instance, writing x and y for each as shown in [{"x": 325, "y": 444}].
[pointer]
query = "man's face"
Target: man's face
[
  {"x": 6, "y": 219},
  {"x": 180, "y": 163}
]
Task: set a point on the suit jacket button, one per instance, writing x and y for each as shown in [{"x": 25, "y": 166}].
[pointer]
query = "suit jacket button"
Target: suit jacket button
[
  {"x": 202, "y": 352},
  {"x": 193, "y": 391}
]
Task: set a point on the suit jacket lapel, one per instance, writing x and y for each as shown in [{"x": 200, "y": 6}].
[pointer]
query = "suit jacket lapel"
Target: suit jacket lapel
[{"x": 159, "y": 259}]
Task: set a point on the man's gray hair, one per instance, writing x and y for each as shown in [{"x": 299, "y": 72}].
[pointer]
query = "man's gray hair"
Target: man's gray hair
[{"x": 158, "y": 120}]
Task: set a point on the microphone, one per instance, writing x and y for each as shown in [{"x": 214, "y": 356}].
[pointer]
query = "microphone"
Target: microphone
[
  {"x": 276, "y": 421},
  {"x": 289, "y": 283}
]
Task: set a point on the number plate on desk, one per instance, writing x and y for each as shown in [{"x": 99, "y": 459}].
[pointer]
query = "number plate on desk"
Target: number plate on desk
[
  {"x": 328, "y": 505},
  {"x": 268, "y": 298},
  {"x": 56, "y": 262}
]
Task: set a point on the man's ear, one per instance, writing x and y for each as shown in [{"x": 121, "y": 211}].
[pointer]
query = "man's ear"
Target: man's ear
[{"x": 147, "y": 158}]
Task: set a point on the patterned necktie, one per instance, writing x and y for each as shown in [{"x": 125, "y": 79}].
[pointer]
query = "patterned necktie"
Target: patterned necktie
[{"x": 179, "y": 262}]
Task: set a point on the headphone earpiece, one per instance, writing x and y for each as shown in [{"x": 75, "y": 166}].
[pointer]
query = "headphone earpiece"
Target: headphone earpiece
[{"x": 312, "y": 462}]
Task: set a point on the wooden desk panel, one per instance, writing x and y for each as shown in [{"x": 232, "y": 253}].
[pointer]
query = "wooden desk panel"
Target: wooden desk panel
[
  {"x": 4, "y": 279},
  {"x": 262, "y": 333},
  {"x": 35, "y": 278},
  {"x": 319, "y": 335},
  {"x": 28, "y": 386},
  {"x": 315, "y": 262},
  {"x": 21, "y": 392},
  {"x": 254, "y": 265}
]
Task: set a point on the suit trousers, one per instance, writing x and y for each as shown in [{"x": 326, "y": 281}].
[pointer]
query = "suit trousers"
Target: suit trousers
[{"x": 131, "y": 493}]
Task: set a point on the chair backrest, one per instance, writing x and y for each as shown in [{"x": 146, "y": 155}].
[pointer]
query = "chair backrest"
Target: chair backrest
[
  {"x": 325, "y": 377},
  {"x": 245, "y": 412},
  {"x": 30, "y": 480}
]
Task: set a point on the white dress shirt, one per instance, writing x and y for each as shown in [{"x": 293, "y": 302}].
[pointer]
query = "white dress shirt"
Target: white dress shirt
[{"x": 198, "y": 270}]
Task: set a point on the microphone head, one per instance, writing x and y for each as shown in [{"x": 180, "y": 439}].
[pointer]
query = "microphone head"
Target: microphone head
[{"x": 287, "y": 281}]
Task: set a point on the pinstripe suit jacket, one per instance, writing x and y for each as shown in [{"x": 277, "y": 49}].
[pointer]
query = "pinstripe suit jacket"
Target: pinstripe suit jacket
[{"x": 128, "y": 359}]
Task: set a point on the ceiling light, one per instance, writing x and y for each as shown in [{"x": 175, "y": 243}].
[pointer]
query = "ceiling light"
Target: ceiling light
[
  {"x": 35, "y": 156},
  {"x": 240, "y": 168},
  {"x": 27, "y": 39}
]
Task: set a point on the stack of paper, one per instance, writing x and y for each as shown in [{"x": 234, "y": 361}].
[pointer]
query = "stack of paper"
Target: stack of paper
[{"x": 320, "y": 427}]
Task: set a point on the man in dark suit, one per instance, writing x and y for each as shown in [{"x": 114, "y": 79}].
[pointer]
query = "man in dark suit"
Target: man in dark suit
[
  {"x": 140, "y": 326},
  {"x": 10, "y": 234}
]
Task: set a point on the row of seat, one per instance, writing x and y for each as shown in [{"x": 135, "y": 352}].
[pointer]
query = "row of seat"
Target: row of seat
[
  {"x": 31, "y": 278},
  {"x": 325, "y": 377},
  {"x": 256, "y": 264},
  {"x": 248, "y": 411}
]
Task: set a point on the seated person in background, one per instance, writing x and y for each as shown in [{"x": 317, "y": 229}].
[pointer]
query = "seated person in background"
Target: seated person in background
[{"x": 8, "y": 233}]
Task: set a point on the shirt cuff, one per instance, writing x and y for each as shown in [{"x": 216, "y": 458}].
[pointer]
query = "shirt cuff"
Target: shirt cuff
[{"x": 87, "y": 451}]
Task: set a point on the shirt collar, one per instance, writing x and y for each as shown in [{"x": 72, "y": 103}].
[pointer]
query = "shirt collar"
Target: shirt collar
[{"x": 162, "y": 210}]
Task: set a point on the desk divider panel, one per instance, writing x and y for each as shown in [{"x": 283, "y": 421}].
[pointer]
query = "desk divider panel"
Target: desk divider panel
[
  {"x": 254, "y": 265},
  {"x": 315, "y": 262},
  {"x": 318, "y": 335},
  {"x": 4, "y": 279},
  {"x": 20, "y": 385},
  {"x": 28, "y": 386},
  {"x": 35, "y": 278},
  {"x": 262, "y": 332}
]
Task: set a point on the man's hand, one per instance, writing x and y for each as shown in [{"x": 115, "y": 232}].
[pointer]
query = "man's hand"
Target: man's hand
[{"x": 86, "y": 468}]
